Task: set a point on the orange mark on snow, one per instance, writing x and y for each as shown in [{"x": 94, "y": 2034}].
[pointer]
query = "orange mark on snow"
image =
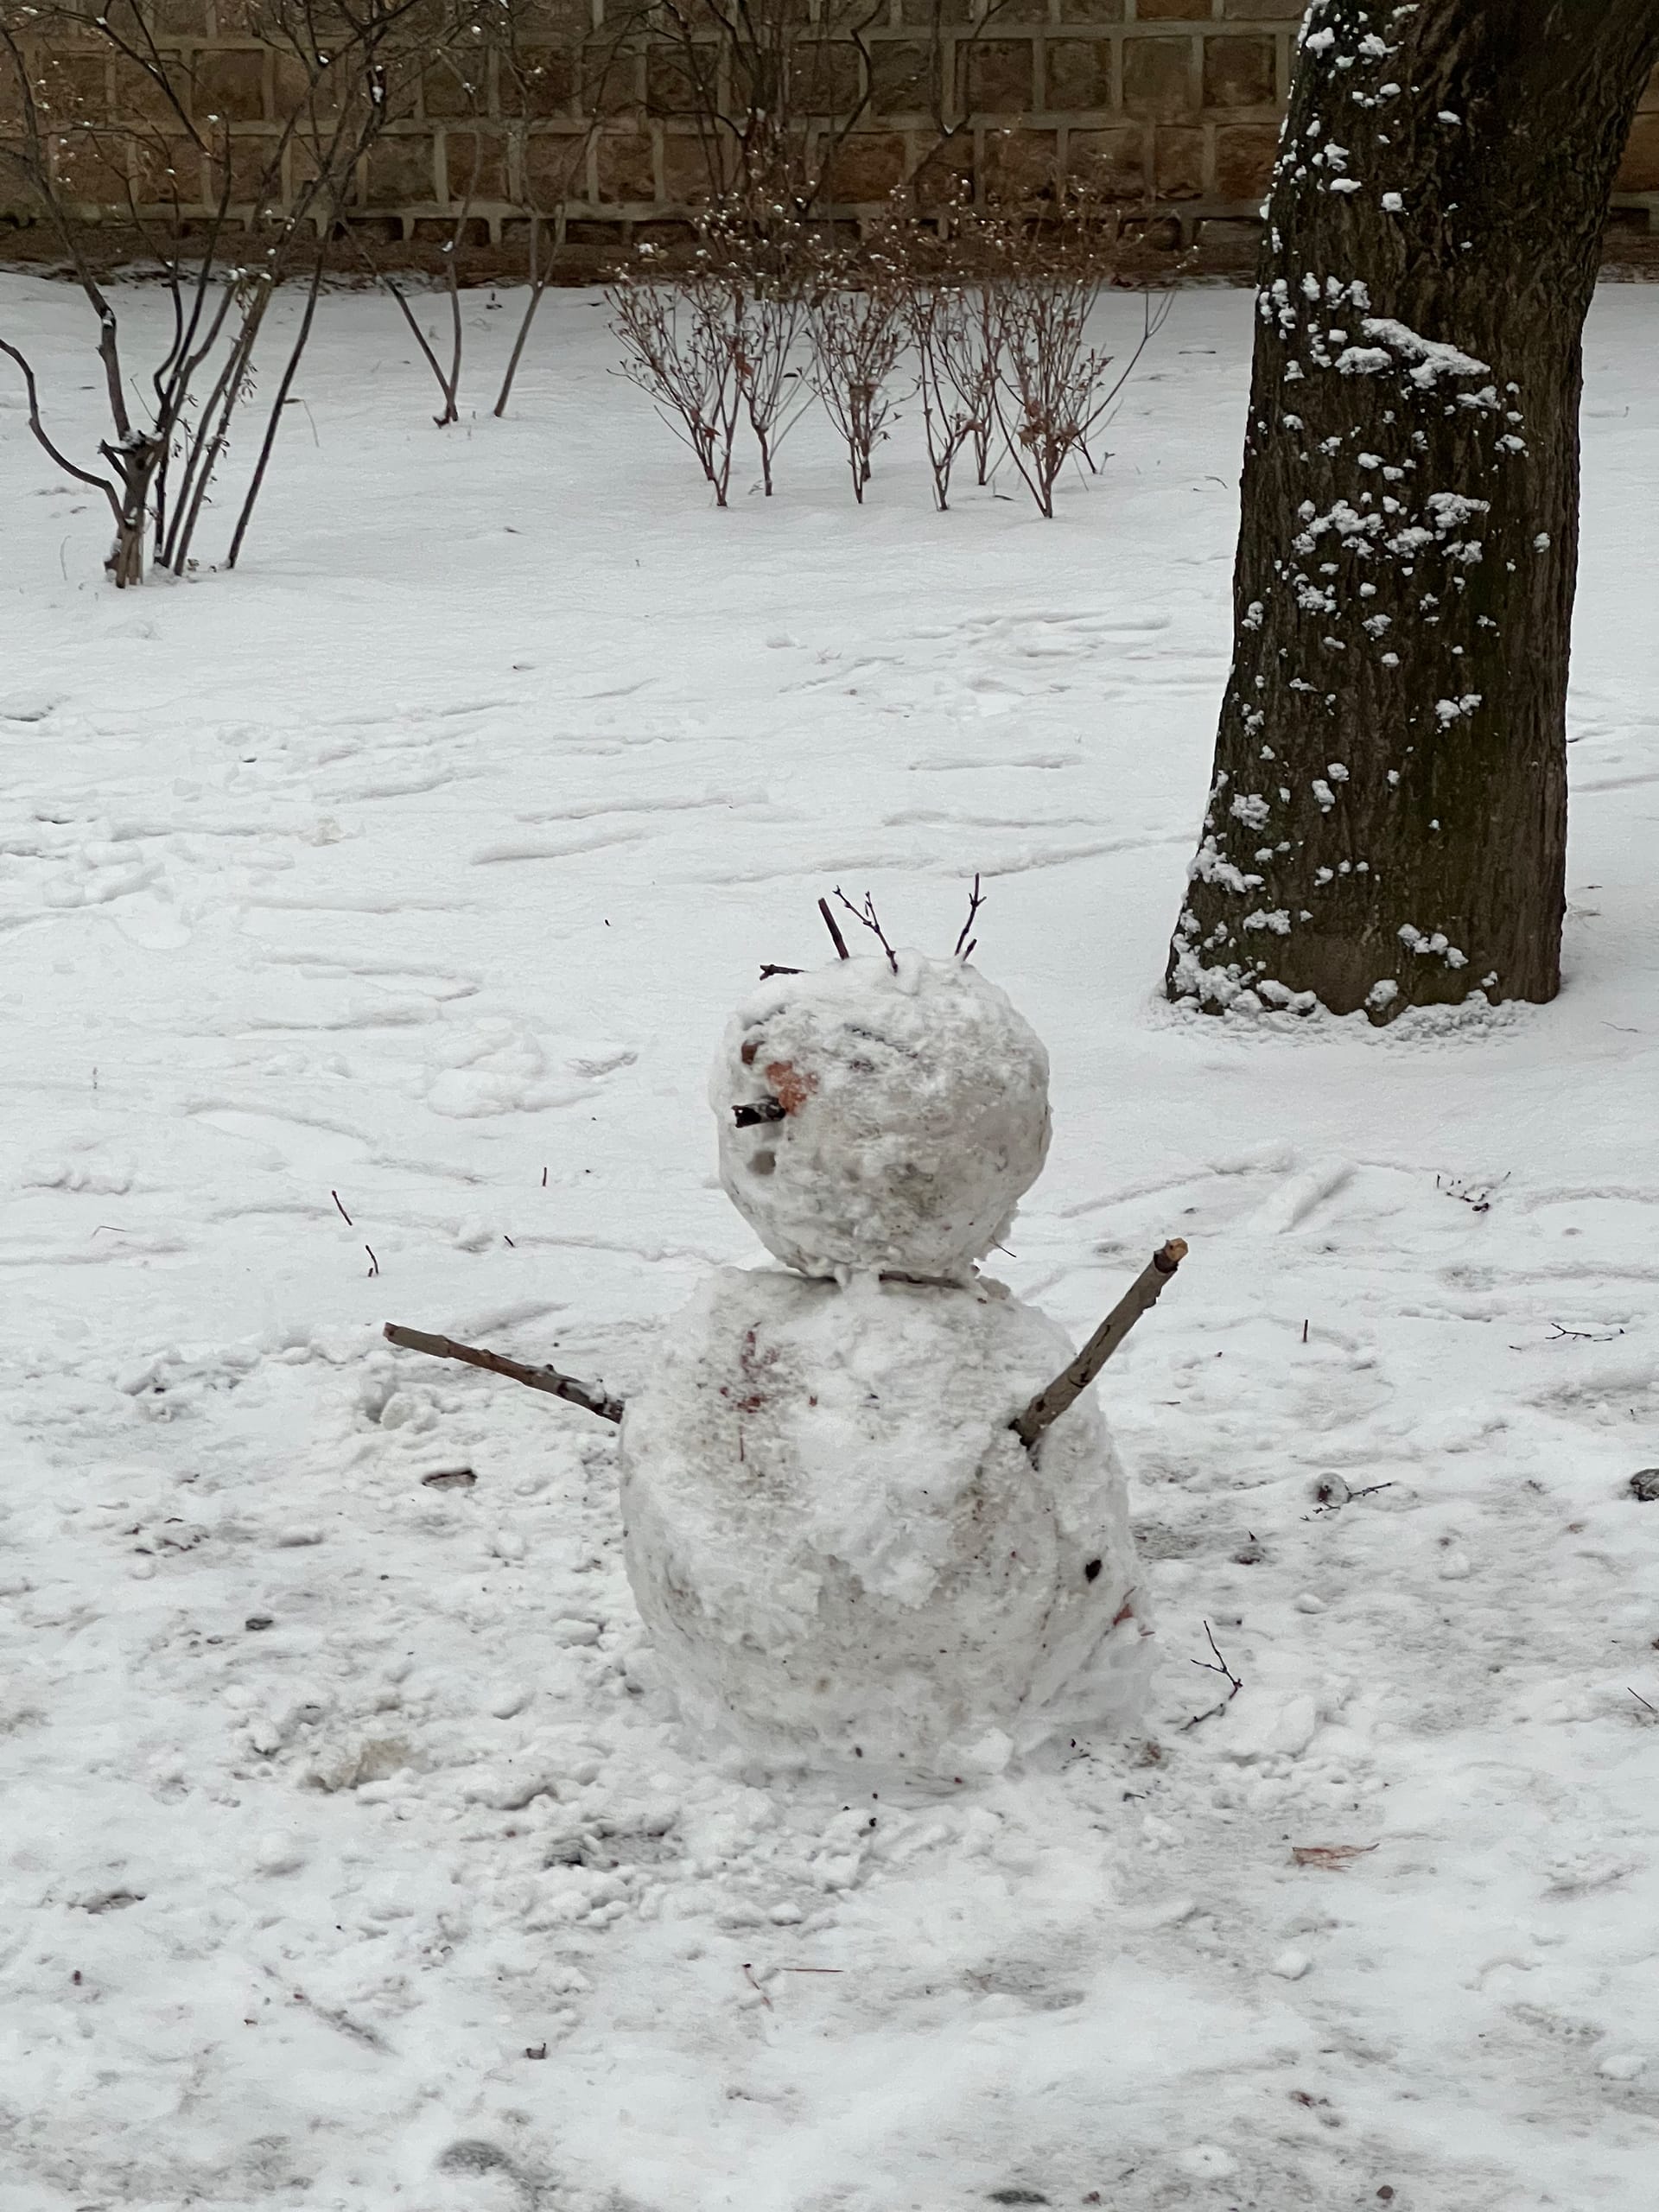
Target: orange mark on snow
[{"x": 789, "y": 1086}]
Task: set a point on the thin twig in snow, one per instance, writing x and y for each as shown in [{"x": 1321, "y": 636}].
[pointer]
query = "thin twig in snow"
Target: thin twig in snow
[
  {"x": 975, "y": 900},
  {"x": 1216, "y": 1666},
  {"x": 592, "y": 1398}
]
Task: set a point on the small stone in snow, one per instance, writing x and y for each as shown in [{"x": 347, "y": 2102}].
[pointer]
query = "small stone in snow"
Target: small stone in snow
[
  {"x": 1291, "y": 1966},
  {"x": 1644, "y": 1485},
  {"x": 256, "y": 1621}
]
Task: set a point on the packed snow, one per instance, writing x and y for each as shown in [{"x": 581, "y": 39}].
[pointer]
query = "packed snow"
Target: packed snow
[
  {"x": 847, "y": 1559},
  {"x": 372, "y": 914},
  {"x": 878, "y": 1112}
]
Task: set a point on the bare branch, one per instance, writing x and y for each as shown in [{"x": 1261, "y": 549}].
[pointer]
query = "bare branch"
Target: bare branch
[
  {"x": 975, "y": 900},
  {"x": 81, "y": 475},
  {"x": 1070, "y": 1384},
  {"x": 589, "y": 1396},
  {"x": 867, "y": 915},
  {"x": 1216, "y": 1666}
]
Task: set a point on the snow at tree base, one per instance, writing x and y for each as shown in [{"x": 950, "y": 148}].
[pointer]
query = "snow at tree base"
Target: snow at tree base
[
  {"x": 844, "y": 1554},
  {"x": 356, "y": 1855}
]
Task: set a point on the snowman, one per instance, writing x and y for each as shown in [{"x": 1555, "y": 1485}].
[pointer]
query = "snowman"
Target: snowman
[{"x": 870, "y": 1522}]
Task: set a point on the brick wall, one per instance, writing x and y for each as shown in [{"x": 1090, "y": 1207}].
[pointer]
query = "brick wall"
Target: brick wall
[{"x": 1171, "y": 106}]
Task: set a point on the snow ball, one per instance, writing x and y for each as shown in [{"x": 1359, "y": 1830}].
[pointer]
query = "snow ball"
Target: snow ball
[
  {"x": 843, "y": 1554},
  {"x": 880, "y": 1120},
  {"x": 1392, "y": 203},
  {"x": 1291, "y": 1966},
  {"x": 1292, "y": 1730},
  {"x": 1622, "y": 2066},
  {"x": 279, "y": 1852},
  {"x": 1207, "y": 2159},
  {"x": 27, "y": 706}
]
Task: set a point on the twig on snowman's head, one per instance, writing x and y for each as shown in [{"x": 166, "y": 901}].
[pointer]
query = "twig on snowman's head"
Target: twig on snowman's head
[
  {"x": 590, "y": 1396},
  {"x": 1071, "y": 1381},
  {"x": 833, "y": 928},
  {"x": 867, "y": 914},
  {"x": 770, "y": 969},
  {"x": 975, "y": 900}
]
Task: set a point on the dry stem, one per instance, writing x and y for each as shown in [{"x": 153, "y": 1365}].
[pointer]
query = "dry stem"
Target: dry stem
[
  {"x": 589, "y": 1396},
  {"x": 1070, "y": 1383}
]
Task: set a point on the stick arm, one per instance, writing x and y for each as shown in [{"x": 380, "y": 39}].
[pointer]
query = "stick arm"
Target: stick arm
[
  {"x": 589, "y": 1396},
  {"x": 1071, "y": 1381}
]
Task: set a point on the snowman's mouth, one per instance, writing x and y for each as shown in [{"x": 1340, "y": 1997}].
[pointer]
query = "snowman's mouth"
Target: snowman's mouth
[{"x": 764, "y": 1109}]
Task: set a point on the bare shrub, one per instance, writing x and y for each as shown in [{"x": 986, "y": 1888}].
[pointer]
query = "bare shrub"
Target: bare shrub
[
  {"x": 721, "y": 337},
  {"x": 1052, "y": 391},
  {"x": 223, "y": 243},
  {"x": 1000, "y": 323},
  {"x": 766, "y": 261},
  {"x": 857, "y": 326},
  {"x": 679, "y": 349}
]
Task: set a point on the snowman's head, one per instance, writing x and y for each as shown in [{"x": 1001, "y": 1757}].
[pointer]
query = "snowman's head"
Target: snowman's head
[{"x": 875, "y": 1117}]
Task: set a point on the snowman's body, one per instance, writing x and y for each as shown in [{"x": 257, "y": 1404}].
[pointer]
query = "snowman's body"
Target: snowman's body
[{"x": 843, "y": 1551}]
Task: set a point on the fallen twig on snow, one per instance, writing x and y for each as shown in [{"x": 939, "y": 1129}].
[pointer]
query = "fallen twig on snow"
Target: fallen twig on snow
[
  {"x": 1333, "y": 1855},
  {"x": 1070, "y": 1383},
  {"x": 589, "y": 1396},
  {"x": 1216, "y": 1666}
]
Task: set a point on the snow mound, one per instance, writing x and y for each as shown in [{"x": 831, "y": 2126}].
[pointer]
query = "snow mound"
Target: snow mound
[
  {"x": 842, "y": 1552},
  {"x": 881, "y": 1119}
]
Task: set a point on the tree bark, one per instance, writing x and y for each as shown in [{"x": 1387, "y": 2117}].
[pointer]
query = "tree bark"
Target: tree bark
[{"x": 1387, "y": 823}]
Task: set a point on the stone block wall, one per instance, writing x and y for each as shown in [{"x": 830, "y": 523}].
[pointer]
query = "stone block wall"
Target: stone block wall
[{"x": 1170, "y": 106}]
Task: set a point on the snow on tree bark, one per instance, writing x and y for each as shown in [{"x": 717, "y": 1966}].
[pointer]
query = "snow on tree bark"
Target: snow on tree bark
[{"x": 1387, "y": 821}]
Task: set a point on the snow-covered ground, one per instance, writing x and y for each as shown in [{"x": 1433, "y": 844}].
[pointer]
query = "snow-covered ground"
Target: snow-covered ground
[{"x": 346, "y": 1863}]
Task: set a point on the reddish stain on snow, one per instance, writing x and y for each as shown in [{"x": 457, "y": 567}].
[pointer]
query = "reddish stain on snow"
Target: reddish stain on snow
[{"x": 789, "y": 1086}]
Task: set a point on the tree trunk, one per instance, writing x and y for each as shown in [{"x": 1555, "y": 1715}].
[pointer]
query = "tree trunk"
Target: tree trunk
[{"x": 1387, "y": 823}]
